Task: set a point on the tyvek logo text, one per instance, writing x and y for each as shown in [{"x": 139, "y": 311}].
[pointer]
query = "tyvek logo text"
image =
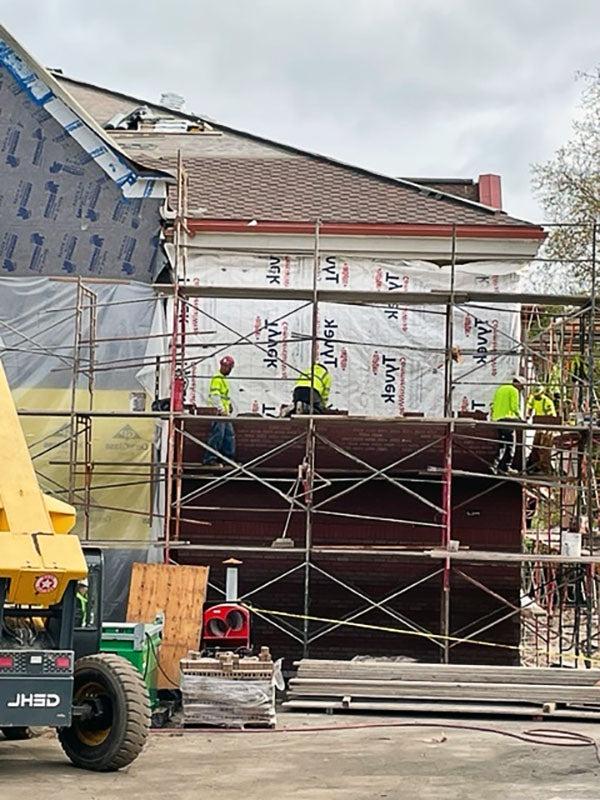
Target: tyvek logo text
[
  {"x": 487, "y": 341},
  {"x": 329, "y": 356},
  {"x": 276, "y": 352},
  {"x": 278, "y": 271},
  {"x": 393, "y": 372},
  {"x": 334, "y": 271},
  {"x": 387, "y": 281}
]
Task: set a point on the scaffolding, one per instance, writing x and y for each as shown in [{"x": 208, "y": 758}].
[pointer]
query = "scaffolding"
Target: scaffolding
[
  {"x": 559, "y": 606},
  {"x": 560, "y": 587}
]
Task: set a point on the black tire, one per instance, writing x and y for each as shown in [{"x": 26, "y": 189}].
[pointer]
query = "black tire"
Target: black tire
[
  {"x": 115, "y": 734},
  {"x": 17, "y": 734}
]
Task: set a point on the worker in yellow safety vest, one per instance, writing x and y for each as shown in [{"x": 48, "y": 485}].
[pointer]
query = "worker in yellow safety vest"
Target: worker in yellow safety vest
[
  {"x": 540, "y": 457},
  {"x": 82, "y": 601},
  {"x": 312, "y": 390},
  {"x": 539, "y": 404},
  {"x": 506, "y": 406},
  {"x": 221, "y": 439}
]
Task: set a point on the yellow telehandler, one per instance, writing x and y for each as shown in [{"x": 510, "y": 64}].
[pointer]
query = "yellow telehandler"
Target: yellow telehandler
[{"x": 51, "y": 673}]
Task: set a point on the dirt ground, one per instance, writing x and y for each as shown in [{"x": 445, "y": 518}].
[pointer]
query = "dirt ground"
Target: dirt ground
[{"x": 382, "y": 762}]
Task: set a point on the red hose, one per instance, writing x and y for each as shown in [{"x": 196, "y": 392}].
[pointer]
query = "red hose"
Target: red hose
[{"x": 553, "y": 737}]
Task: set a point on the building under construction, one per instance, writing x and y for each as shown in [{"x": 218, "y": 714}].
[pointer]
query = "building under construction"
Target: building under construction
[{"x": 378, "y": 528}]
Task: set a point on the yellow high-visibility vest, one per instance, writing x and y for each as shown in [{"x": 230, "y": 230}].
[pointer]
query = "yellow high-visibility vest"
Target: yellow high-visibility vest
[
  {"x": 218, "y": 393},
  {"x": 320, "y": 380},
  {"x": 541, "y": 406},
  {"x": 506, "y": 403}
]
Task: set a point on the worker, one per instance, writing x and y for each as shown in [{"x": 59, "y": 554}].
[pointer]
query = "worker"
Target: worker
[
  {"x": 82, "y": 600},
  {"x": 539, "y": 404},
  {"x": 222, "y": 436},
  {"x": 506, "y": 406},
  {"x": 540, "y": 457},
  {"x": 312, "y": 390}
]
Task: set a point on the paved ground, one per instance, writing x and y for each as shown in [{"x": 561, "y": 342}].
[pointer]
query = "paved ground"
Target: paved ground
[{"x": 367, "y": 764}]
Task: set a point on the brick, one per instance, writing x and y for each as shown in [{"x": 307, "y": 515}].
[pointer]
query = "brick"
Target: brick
[{"x": 491, "y": 522}]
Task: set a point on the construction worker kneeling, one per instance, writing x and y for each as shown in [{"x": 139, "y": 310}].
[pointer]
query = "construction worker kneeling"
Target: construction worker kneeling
[
  {"x": 222, "y": 436},
  {"x": 312, "y": 390}
]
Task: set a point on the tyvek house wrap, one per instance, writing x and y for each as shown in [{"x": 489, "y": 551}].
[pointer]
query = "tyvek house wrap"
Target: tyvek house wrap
[
  {"x": 70, "y": 204},
  {"x": 385, "y": 360}
]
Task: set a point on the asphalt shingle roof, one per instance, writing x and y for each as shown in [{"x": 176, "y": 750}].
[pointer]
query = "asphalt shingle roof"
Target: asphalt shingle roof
[
  {"x": 306, "y": 188},
  {"x": 237, "y": 175}
]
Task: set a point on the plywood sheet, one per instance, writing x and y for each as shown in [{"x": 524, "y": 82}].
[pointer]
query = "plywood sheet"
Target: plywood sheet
[{"x": 179, "y": 592}]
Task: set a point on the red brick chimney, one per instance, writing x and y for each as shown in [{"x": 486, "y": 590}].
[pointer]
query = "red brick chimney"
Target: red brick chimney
[{"x": 490, "y": 191}]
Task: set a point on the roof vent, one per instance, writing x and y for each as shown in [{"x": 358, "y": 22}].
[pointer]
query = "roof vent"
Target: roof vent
[{"x": 172, "y": 100}]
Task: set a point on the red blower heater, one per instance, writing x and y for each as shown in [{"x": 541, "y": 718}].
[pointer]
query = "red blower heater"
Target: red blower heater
[{"x": 227, "y": 625}]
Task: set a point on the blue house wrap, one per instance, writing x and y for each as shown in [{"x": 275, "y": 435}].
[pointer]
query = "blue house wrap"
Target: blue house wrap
[{"x": 71, "y": 203}]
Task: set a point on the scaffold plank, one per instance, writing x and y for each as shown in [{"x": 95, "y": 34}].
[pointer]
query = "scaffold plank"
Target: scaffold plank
[
  {"x": 353, "y": 297},
  {"x": 441, "y": 708}
]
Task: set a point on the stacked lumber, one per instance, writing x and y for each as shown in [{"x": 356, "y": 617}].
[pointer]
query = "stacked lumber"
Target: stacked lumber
[
  {"x": 229, "y": 691},
  {"x": 444, "y": 688}
]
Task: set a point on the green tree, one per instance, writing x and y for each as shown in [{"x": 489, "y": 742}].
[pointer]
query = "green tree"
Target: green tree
[{"x": 568, "y": 188}]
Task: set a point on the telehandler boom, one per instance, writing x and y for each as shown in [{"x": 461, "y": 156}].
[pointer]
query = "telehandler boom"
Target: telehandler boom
[{"x": 50, "y": 674}]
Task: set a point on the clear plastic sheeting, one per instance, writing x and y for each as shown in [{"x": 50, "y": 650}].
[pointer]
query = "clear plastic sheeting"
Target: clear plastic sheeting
[
  {"x": 226, "y": 702},
  {"x": 385, "y": 360},
  {"x": 37, "y": 329},
  {"x": 118, "y": 562},
  {"x": 156, "y": 359}
]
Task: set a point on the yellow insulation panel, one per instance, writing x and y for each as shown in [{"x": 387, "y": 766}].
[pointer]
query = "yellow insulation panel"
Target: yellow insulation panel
[{"x": 121, "y": 453}]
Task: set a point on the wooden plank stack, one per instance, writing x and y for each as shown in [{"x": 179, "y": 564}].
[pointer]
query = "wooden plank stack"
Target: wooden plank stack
[
  {"x": 444, "y": 688},
  {"x": 228, "y": 691},
  {"x": 179, "y": 592}
]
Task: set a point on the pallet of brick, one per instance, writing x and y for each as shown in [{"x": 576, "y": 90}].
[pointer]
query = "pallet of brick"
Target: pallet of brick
[{"x": 228, "y": 691}]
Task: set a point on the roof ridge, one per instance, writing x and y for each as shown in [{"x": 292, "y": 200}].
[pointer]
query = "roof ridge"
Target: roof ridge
[{"x": 421, "y": 189}]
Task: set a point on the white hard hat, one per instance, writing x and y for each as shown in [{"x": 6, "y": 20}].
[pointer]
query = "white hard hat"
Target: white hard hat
[
  {"x": 519, "y": 379},
  {"x": 83, "y": 582}
]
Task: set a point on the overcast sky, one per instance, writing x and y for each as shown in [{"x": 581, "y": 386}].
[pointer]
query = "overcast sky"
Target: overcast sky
[{"x": 405, "y": 87}]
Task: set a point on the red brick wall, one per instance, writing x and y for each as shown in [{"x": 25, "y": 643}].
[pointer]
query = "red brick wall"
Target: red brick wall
[
  {"x": 490, "y": 522},
  {"x": 379, "y": 443}
]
